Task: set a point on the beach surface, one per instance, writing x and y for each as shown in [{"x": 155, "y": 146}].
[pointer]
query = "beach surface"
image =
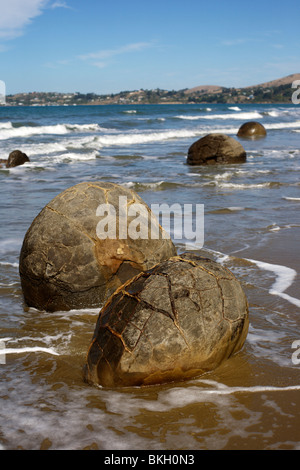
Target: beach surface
[{"x": 251, "y": 226}]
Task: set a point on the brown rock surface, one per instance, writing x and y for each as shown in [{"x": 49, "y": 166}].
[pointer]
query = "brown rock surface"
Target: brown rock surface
[
  {"x": 16, "y": 158},
  {"x": 65, "y": 265},
  {"x": 179, "y": 319},
  {"x": 252, "y": 130},
  {"x": 216, "y": 149}
]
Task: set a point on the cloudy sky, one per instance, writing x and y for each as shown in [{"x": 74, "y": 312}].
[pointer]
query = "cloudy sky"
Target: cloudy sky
[{"x": 106, "y": 46}]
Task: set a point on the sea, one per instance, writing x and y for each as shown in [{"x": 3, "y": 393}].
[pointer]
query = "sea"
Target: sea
[{"x": 251, "y": 226}]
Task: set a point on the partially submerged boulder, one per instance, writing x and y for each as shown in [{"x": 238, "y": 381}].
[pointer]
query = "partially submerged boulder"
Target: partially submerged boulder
[
  {"x": 252, "y": 130},
  {"x": 216, "y": 149},
  {"x": 16, "y": 158},
  {"x": 179, "y": 319},
  {"x": 68, "y": 261}
]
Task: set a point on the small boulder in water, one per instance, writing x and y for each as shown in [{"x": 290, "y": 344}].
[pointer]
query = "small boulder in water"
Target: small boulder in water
[
  {"x": 216, "y": 149},
  {"x": 16, "y": 158},
  {"x": 252, "y": 130}
]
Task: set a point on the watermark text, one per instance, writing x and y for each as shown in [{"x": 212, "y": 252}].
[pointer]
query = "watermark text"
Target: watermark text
[
  {"x": 2, "y": 353},
  {"x": 296, "y": 354},
  {"x": 296, "y": 94},
  {"x": 2, "y": 92},
  {"x": 134, "y": 220}
]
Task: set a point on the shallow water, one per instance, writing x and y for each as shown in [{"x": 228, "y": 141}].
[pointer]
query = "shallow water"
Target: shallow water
[{"x": 252, "y": 225}]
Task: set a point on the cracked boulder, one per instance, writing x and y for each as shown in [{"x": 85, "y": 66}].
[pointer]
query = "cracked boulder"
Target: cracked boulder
[
  {"x": 181, "y": 318},
  {"x": 75, "y": 255},
  {"x": 216, "y": 149}
]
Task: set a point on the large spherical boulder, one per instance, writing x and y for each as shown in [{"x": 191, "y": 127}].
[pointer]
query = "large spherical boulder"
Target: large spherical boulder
[
  {"x": 179, "y": 319},
  {"x": 16, "y": 158},
  {"x": 214, "y": 149},
  {"x": 252, "y": 130},
  {"x": 71, "y": 259}
]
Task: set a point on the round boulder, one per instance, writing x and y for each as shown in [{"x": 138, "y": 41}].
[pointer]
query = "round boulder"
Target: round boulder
[
  {"x": 85, "y": 243},
  {"x": 252, "y": 130},
  {"x": 16, "y": 158},
  {"x": 214, "y": 149},
  {"x": 179, "y": 319}
]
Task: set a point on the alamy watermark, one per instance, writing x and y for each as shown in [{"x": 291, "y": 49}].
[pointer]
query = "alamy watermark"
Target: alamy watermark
[
  {"x": 2, "y": 92},
  {"x": 296, "y": 354},
  {"x": 136, "y": 221},
  {"x": 296, "y": 94},
  {"x": 2, "y": 353}
]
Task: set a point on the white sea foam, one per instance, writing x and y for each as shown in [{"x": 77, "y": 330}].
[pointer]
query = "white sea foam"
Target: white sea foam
[
  {"x": 72, "y": 156},
  {"x": 57, "y": 129},
  {"x": 236, "y": 208},
  {"x": 14, "y": 265},
  {"x": 282, "y": 125},
  {"x": 272, "y": 113},
  {"x": 28, "y": 349},
  {"x": 140, "y": 138},
  {"x": 223, "y": 185},
  {"x": 180, "y": 396},
  {"x": 291, "y": 198},
  {"x": 5, "y": 125},
  {"x": 235, "y": 108},
  {"x": 284, "y": 278},
  {"x": 132, "y": 184},
  {"x": 236, "y": 115}
]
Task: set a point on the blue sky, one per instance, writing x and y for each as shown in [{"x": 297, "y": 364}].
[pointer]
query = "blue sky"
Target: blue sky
[{"x": 113, "y": 45}]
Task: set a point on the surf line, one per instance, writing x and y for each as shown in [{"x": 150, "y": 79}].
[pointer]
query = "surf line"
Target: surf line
[
  {"x": 28, "y": 349},
  {"x": 285, "y": 275},
  {"x": 285, "y": 278}
]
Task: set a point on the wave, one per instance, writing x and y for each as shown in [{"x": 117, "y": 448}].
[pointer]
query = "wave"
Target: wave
[
  {"x": 5, "y": 351},
  {"x": 10, "y": 131},
  {"x": 283, "y": 125},
  {"x": 5, "y": 263},
  {"x": 140, "y": 138},
  {"x": 159, "y": 185},
  {"x": 291, "y": 198},
  {"x": 227, "y": 210},
  {"x": 223, "y": 185},
  {"x": 236, "y": 115},
  {"x": 284, "y": 278},
  {"x": 5, "y": 125}
]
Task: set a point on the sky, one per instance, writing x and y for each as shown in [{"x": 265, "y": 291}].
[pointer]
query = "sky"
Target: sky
[{"x": 97, "y": 46}]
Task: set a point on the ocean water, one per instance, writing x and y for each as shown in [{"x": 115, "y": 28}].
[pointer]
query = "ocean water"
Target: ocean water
[{"x": 252, "y": 226}]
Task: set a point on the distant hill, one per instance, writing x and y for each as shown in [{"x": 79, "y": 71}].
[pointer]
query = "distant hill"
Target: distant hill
[
  {"x": 288, "y": 80},
  {"x": 275, "y": 91},
  {"x": 204, "y": 89}
]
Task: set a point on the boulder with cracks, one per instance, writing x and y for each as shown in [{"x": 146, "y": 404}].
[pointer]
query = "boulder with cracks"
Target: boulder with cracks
[
  {"x": 66, "y": 263},
  {"x": 181, "y": 318}
]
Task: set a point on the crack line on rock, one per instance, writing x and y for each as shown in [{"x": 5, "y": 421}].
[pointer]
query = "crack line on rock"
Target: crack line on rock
[
  {"x": 79, "y": 227},
  {"x": 114, "y": 333}
]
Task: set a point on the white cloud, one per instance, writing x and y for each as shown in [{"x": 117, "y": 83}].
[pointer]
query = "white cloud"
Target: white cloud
[
  {"x": 98, "y": 57},
  {"x": 60, "y": 4},
  {"x": 16, "y": 14}
]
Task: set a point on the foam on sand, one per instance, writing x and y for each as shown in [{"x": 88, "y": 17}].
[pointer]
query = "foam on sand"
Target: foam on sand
[
  {"x": 28, "y": 349},
  {"x": 284, "y": 278}
]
